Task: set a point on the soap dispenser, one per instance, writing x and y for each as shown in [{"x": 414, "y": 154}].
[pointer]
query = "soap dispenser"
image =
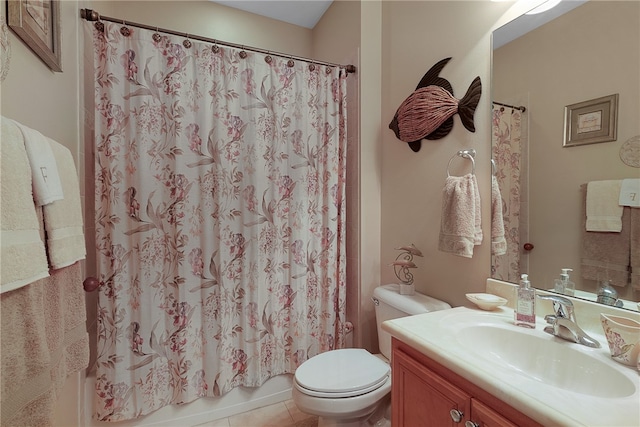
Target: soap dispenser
[
  {"x": 563, "y": 285},
  {"x": 525, "y": 311}
]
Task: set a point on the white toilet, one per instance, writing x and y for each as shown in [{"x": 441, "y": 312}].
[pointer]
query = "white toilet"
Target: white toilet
[{"x": 351, "y": 387}]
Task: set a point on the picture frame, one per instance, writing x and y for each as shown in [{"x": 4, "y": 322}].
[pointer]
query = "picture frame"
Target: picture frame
[
  {"x": 591, "y": 122},
  {"x": 37, "y": 23}
]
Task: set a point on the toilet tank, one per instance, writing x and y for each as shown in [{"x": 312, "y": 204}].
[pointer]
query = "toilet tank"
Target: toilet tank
[{"x": 389, "y": 304}]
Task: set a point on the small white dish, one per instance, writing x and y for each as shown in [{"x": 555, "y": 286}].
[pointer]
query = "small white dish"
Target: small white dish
[{"x": 486, "y": 301}]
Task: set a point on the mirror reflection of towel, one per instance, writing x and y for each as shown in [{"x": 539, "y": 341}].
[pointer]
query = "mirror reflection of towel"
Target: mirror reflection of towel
[
  {"x": 605, "y": 255},
  {"x": 634, "y": 251},
  {"x": 498, "y": 241},
  {"x": 603, "y": 212},
  {"x": 630, "y": 192}
]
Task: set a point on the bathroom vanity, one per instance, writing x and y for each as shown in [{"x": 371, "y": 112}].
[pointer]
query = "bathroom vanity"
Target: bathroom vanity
[
  {"x": 425, "y": 393},
  {"x": 479, "y": 368}
]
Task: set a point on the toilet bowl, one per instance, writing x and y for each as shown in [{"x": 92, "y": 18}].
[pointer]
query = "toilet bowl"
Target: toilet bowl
[{"x": 351, "y": 387}]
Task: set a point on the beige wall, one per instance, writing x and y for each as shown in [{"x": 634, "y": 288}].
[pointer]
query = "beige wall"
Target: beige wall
[
  {"x": 212, "y": 20},
  {"x": 371, "y": 33},
  {"x": 337, "y": 38},
  {"x": 416, "y": 35},
  {"x": 565, "y": 62},
  {"x": 34, "y": 95}
]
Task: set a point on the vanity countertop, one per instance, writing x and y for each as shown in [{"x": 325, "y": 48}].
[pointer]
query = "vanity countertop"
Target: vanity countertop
[{"x": 546, "y": 404}]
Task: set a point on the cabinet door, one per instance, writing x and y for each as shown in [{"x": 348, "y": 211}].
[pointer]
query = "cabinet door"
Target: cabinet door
[
  {"x": 422, "y": 398},
  {"x": 483, "y": 416}
]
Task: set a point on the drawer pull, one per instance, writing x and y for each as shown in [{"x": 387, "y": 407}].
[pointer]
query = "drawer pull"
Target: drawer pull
[{"x": 456, "y": 415}]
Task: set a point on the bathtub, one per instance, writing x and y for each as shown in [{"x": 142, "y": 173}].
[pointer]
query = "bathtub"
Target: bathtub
[{"x": 238, "y": 400}]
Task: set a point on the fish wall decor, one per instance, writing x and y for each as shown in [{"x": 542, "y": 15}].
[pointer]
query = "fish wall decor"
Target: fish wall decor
[{"x": 428, "y": 112}]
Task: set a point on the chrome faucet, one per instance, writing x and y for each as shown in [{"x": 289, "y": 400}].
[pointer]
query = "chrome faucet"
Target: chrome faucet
[{"x": 563, "y": 322}]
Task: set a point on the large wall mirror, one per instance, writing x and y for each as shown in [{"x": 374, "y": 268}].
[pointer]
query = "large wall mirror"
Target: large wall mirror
[{"x": 591, "y": 50}]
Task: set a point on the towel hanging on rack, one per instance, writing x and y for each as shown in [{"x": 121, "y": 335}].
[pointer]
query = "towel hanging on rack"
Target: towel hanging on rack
[
  {"x": 23, "y": 255},
  {"x": 498, "y": 240},
  {"x": 460, "y": 227},
  {"x": 45, "y": 176}
]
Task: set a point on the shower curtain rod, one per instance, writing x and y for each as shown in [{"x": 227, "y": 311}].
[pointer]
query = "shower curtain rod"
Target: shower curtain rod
[
  {"x": 91, "y": 15},
  {"x": 521, "y": 108}
]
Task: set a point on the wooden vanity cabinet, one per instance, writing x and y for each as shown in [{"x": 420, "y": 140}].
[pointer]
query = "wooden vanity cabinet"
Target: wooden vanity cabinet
[{"x": 425, "y": 393}]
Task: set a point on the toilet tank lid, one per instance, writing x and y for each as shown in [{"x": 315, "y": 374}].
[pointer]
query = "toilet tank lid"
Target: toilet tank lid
[{"x": 410, "y": 304}]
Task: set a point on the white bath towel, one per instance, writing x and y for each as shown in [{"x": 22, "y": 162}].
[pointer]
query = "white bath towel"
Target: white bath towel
[
  {"x": 44, "y": 171},
  {"x": 460, "y": 223},
  {"x": 498, "y": 241},
  {"x": 23, "y": 258},
  {"x": 603, "y": 212},
  {"x": 63, "y": 218}
]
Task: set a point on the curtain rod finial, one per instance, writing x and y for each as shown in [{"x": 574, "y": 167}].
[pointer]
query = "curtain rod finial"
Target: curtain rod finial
[{"x": 89, "y": 15}]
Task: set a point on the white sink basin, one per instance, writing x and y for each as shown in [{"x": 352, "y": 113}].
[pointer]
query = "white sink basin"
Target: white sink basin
[{"x": 546, "y": 359}]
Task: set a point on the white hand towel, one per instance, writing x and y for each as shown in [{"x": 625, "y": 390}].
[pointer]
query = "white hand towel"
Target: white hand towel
[
  {"x": 44, "y": 171},
  {"x": 603, "y": 212},
  {"x": 23, "y": 259},
  {"x": 630, "y": 193},
  {"x": 63, "y": 218},
  {"x": 460, "y": 222}
]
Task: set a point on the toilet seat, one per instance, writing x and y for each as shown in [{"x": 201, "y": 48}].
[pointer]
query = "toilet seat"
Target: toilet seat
[{"x": 342, "y": 373}]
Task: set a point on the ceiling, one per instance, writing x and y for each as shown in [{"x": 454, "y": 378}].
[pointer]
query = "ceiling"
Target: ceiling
[
  {"x": 527, "y": 22},
  {"x": 304, "y": 13}
]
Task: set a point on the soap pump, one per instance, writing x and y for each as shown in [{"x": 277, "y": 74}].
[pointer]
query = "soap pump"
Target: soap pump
[
  {"x": 563, "y": 285},
  {"x": 525, "y": 310}
]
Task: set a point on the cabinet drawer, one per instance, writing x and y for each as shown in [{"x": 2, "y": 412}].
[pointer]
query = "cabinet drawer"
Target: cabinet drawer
[{"x": 421, "y": 397}]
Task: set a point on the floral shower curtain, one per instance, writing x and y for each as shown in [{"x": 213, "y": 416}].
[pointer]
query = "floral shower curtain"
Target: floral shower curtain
[
  {"x": 507, "y": 151},
  {"x": 220, "y": 179}
]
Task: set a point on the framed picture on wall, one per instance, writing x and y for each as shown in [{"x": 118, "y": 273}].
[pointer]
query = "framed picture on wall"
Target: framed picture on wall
[
  {"x": 592, "y": 121},
  {"x": 37, "y": 23}
]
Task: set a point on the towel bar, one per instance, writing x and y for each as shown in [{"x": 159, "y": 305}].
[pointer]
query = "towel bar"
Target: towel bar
[{"x": 467, "y": 154}]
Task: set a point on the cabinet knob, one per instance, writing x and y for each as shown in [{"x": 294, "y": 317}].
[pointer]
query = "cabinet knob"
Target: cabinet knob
[
  {"x": 471, "y": 424},
  {"x": 528, "y": 247},
  {"x": 456, "y": 415}
]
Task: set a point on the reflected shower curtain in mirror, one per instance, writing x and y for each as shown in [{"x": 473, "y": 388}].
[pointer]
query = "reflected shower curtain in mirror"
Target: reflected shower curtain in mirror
[
  {"x": 220, "y": 178},
  {"x": 508, "y": 153}
]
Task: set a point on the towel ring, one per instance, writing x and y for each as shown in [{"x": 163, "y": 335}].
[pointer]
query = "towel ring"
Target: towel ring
[{"x": 467, "y": 154}]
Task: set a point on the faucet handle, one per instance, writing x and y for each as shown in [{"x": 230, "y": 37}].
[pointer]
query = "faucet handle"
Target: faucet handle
[{"x": 562, "y": 307}]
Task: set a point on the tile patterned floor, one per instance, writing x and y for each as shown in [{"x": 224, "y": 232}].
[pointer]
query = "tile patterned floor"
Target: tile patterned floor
[{"x": 284, "y": 414}]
